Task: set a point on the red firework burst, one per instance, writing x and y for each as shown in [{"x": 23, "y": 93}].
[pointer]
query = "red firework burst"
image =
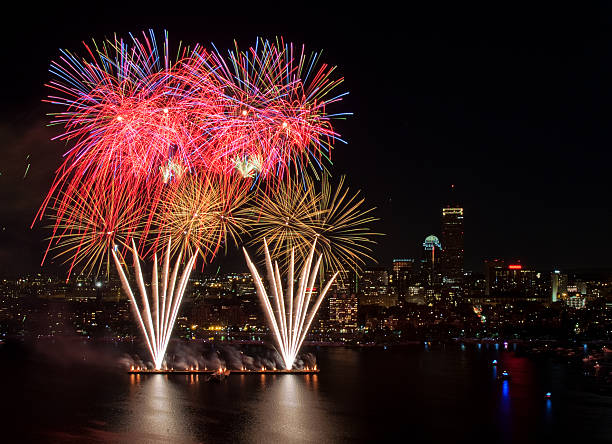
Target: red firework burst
[{"x": 137, "y": 123}]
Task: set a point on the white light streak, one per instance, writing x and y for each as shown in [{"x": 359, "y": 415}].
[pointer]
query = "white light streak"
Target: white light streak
[
  {"x": 156, "y": 325},
  {"x": 291, "y": 319}
]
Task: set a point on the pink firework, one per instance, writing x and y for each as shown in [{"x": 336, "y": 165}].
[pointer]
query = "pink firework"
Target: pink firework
[{"x": 138, "y": 121}]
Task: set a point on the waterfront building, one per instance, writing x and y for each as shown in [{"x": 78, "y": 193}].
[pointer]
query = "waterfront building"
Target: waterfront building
[
  {"x": 576, "y": 301},
  {"x": 403, "y": 272},
  {"x": 343, "y": 311},
  {"x": 558, "y": 284},
  {"x": 374, "y": 286}
]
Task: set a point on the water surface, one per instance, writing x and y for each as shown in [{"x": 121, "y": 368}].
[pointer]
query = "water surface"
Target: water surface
[{"x": 417, "y": 394}]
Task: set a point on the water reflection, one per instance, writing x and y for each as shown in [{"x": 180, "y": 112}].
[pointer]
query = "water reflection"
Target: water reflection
[
  {"x": 359, "y": 396},
  {"x": 505, "y": 413},
  {"x": 154, "y": 411},
  {"x": 290, "y": 410}
]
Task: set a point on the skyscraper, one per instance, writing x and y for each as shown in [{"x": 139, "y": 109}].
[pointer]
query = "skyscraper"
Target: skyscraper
[
  {"x": 558, "y": 284},
  {"x": 403, "y": 270},
  {"x": 512, "y": 281},
  {"x": 431, "y": 260},
  {"x": 374, "y": 287},
  {"x": 452, "y": 242},
  {"x": 343, "y": 311}
]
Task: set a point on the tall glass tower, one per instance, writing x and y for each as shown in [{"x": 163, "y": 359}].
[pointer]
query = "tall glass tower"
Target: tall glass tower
[{"x": 452, "y": 242}]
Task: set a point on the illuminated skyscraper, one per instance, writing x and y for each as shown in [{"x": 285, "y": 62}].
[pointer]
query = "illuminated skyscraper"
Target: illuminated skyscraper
[
  {"x": 558, "y": 284},
  {"x": 374, "y": 287},
  {"x": 403, "y": 270},
  {"x": 343, "y": 311},
  {"x": 452, "y": 242},
  {"x": 431, "y": 260}
]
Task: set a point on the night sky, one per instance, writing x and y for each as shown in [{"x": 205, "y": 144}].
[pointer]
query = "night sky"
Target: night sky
[{"x": 510, "y": 104}]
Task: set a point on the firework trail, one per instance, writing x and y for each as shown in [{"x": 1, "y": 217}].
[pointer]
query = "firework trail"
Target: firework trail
[
  {"x": 156, "y": 322},
  {"x": 292, "y": 316}
]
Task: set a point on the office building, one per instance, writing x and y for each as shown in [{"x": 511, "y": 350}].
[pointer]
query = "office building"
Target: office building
[{"x": 451, "y": 265}]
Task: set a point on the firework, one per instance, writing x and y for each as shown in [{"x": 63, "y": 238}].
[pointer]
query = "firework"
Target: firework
[
  {"x": 292, "y": 316},
  {"x": 157, "y": 322},
  {"x": 125, "y": 116},
  {"x": 275, "y": 106},
  {"x": 164, "y": 151},
  {"x": 87, "y": 228},
  {"x": 133, "y": 114},
  {"x": 202, "y": 213},
  {"x": 297, "y": 213}
]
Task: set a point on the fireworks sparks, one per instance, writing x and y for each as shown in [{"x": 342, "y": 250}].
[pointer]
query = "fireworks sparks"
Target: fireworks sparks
[
  {"x": 276, "y": 98},
  {"x": 248, "y": 167},
  {"x": 297, "y": 213},
  {"x": 132, "y": 113},
  {"x": 291, "y": 317},
  {"x": 202, "y": 213},
  {"x": 87, "y": 229},
  {"x": 158, "y": 321},
  {"x": 165, "y": 148}
]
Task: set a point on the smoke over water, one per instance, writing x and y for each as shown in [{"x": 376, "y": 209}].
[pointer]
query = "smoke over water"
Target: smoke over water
[
  {"x": 205, "y": 356},
  {"x": 73, "y": 352}
]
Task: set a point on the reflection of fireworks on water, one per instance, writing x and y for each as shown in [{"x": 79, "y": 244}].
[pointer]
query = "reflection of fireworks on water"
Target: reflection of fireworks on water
[{"x": 290, "y": 319}]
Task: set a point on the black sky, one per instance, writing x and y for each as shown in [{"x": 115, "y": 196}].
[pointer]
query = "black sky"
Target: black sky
[{"x": 510, "y": 103}]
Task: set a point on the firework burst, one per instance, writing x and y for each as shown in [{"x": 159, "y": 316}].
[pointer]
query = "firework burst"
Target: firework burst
[
  {"x": 164, "y": 151},
  {"x": 202, "y": 213},
  {"x": 297, "y": 213},
  {"x": 87, "y": 229},
  {"x": 276, "y": 99}
]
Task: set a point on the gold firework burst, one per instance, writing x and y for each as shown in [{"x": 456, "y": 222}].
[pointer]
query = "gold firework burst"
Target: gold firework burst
[
  {"x": 296, "y": 213},
  {"x": 88, "y": 227},
  {"x": 201, "y": 213}
]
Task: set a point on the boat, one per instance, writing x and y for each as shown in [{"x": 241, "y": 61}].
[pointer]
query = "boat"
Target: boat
[
  {"x": 218, "y": 375},
  {"x": 505, "y": 376}
]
